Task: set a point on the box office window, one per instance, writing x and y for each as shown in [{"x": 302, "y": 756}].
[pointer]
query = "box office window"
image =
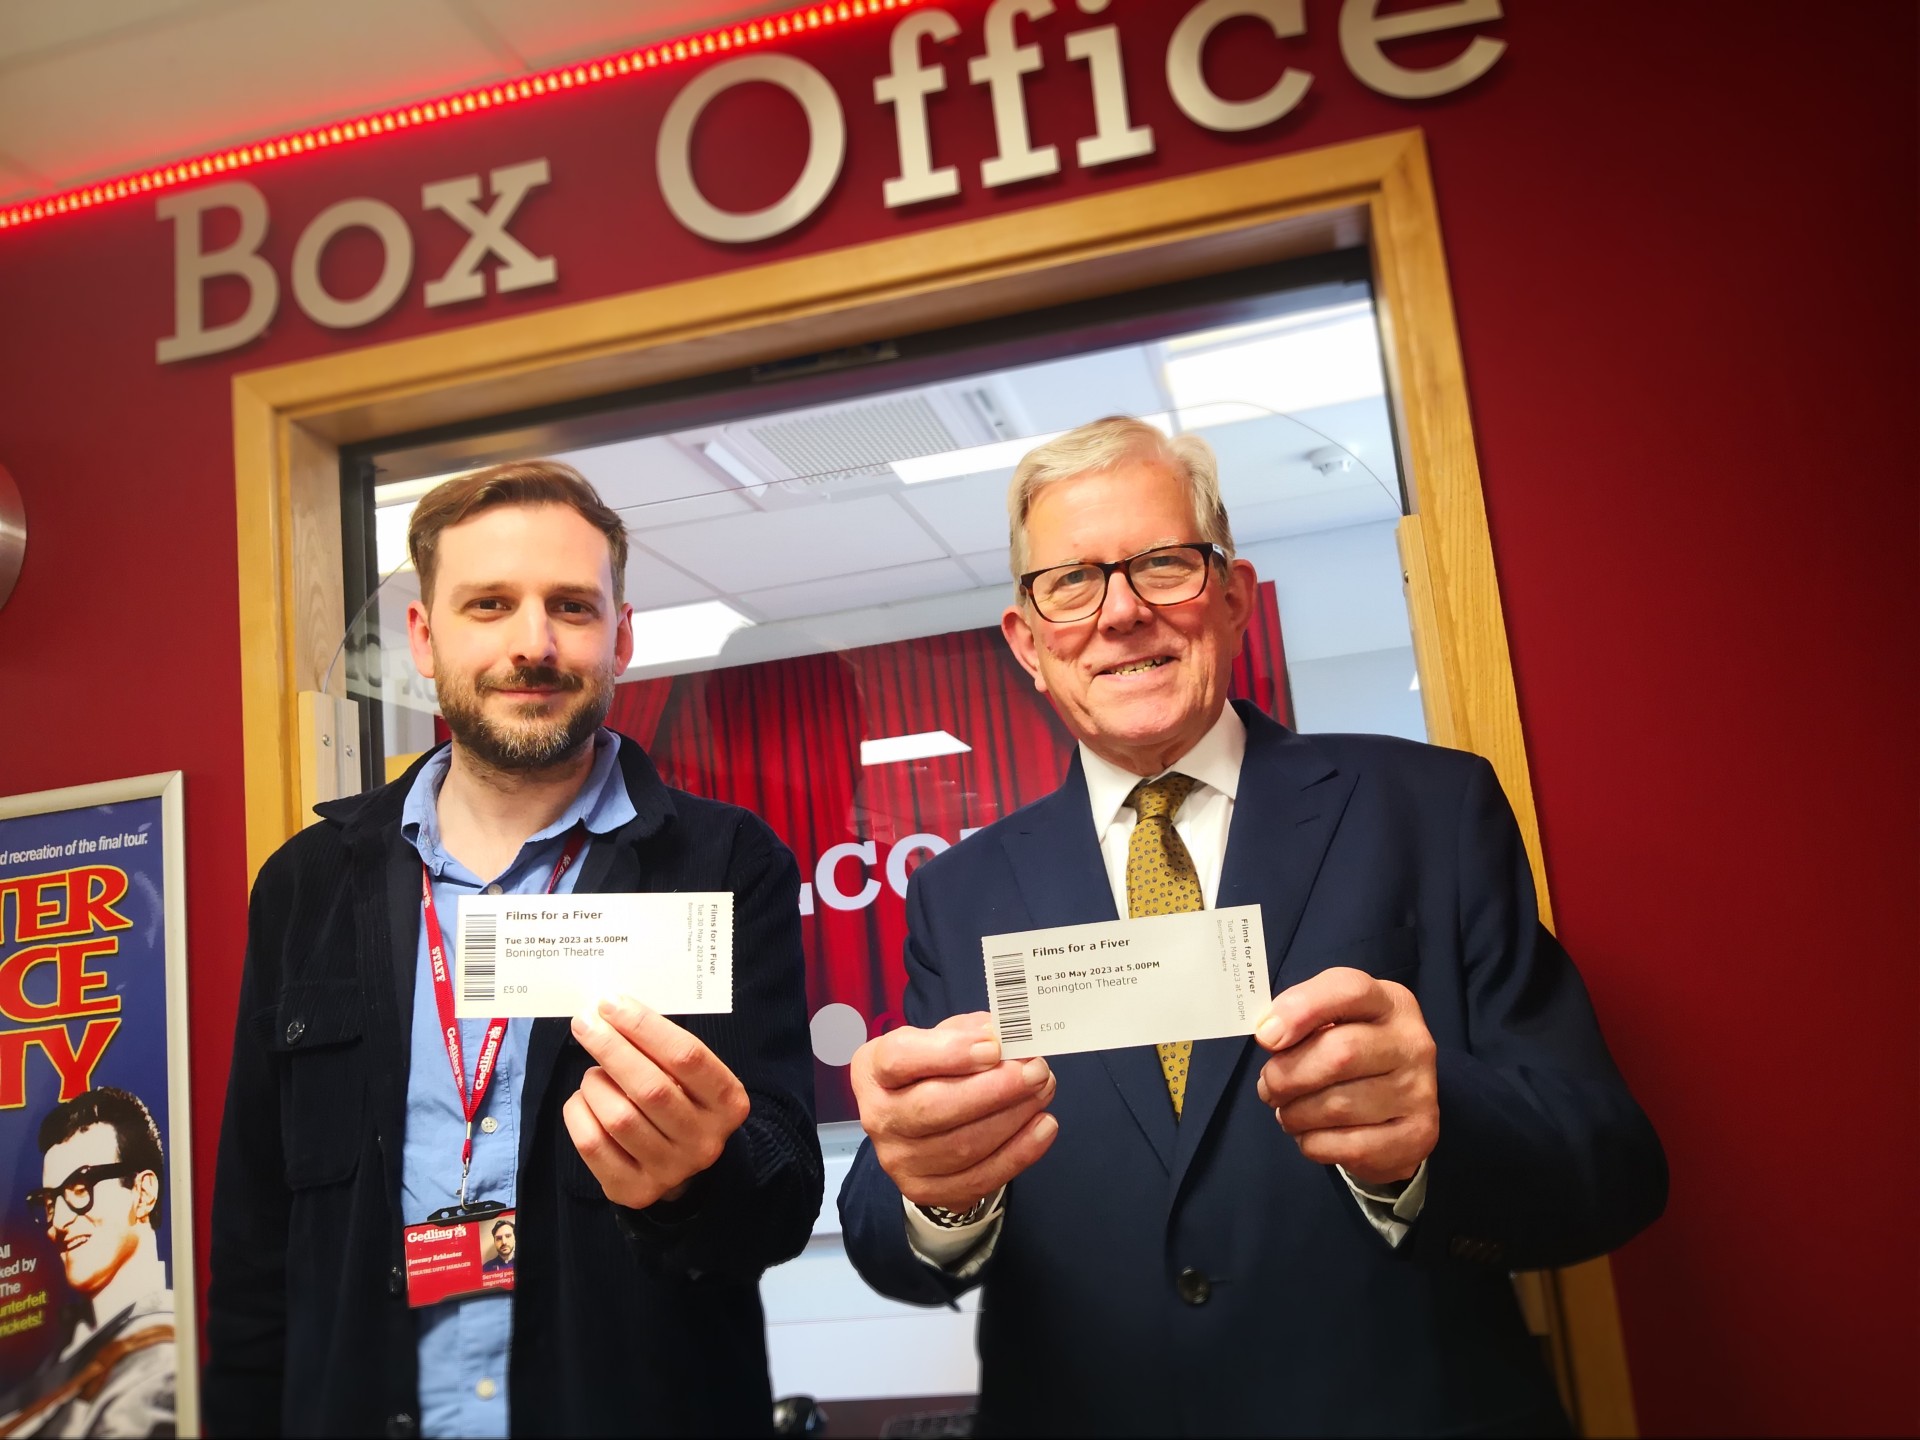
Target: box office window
[{"x": 819, "y": 561}]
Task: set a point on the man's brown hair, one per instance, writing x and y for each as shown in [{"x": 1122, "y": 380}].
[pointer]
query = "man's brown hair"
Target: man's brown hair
[{"x": 518, "y": 482}]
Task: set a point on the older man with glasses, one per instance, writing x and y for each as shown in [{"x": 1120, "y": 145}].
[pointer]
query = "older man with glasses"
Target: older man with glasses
[{"x": 1157, "y": 1254}]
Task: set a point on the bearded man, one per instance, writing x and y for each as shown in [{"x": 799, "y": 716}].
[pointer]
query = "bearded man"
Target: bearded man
[{"x": 656, "y": 1168}]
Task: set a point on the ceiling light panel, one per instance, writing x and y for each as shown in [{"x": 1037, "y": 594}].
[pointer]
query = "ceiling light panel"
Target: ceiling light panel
[
  {"x": 1301, "y": 368},
  {"x": 682, "y": 633},
  {"x": 924, "y": 746}
]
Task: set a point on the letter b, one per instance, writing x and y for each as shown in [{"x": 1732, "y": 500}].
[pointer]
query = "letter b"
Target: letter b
[{"x": 193, "y": 267}]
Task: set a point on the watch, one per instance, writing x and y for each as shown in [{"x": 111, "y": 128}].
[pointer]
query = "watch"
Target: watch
[{"x": 954, "y": 1219}]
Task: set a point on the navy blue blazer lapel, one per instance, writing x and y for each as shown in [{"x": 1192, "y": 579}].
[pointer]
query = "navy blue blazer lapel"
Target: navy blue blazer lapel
[
  {"x": 1285, "y": 813},
  {"x": 1063, "y": 879}
]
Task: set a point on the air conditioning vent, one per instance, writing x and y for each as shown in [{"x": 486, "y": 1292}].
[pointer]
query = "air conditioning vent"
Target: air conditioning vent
[{"x": 846, "y": 450}]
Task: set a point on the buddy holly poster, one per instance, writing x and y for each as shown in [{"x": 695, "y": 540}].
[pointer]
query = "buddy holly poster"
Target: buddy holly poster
[{"x": 96, "y": 1277}]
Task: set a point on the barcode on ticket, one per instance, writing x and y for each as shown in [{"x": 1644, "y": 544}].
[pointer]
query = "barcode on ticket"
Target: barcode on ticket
[
  {"x": 479, "y": 954},
  {"x": 1010, "y": 997}
]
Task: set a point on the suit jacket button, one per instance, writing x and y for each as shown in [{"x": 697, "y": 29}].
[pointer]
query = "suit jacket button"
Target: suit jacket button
[
  {"x": 402, "y": 1427},
  {"x": 396, "y": 1281},
  {"x": 1194, "y": 1287},
  {"x": 295, "y": 1029}
]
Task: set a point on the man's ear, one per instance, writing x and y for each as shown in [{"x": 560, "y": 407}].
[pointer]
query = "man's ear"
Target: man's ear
[
  {"x": 1243, "y": 593},
  {"x": 623, "y": 641},
  {"x": 146, "y": 1194},
  {"x": 1016, "y": 625},
  {"x": 420, "y": 637}
]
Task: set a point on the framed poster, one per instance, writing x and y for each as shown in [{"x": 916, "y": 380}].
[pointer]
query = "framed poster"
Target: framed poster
[{"x": 97, "y": 1333}]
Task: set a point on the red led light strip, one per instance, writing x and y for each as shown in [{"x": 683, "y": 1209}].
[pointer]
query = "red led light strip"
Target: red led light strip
[{"x": 448, "y": 107}]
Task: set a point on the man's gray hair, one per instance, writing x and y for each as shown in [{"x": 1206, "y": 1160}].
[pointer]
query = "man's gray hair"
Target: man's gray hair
[{"x": 1108, "y": 444}]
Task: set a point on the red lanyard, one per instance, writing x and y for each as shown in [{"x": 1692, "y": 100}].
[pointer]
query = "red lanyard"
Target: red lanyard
[{"x": 443, "y": 998}]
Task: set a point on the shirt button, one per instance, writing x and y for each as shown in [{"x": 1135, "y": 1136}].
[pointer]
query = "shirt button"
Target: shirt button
[
  {"x": 489, "y": 1125},
  {"x": 494, "y": 889},
  {"x": 486, "y": 1389}
]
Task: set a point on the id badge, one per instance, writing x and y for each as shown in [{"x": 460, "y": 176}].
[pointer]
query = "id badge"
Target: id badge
[{"x": 469, "y": 1255}]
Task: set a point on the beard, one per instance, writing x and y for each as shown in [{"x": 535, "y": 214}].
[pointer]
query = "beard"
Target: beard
[{"x": 527, "y": 738}]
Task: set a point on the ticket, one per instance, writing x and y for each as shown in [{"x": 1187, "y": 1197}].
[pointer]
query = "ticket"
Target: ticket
[
  {"x": 561, "y": 954},
  {"x": 1161, "y": 978}
]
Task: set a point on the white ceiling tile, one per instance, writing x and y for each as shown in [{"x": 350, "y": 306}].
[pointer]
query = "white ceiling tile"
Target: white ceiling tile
[
  {"x": 28, "y": 28},
  {"x": 969, "y": 513},
  {"x": 556, "y": 31},
  {"x": 860, "y": 590},
  {"x": 654, "y": 483},
  {"x": 1264, "y": 460},
  {"x": 1061, "y": 394},
  {"x": 662, "y": 515},
  {"x": 991, "y": 567},
  {"x": 845, "y": 629},
  {"x": 1303, "y": 514},
  {"x": 653, "y": 584},
  {"x": 226, "y": 75},
  {"x": 805, "y": 542}
]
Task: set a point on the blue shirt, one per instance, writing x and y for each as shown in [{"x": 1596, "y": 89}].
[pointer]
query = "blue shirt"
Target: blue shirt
[{"x": 464, "y": 1342}]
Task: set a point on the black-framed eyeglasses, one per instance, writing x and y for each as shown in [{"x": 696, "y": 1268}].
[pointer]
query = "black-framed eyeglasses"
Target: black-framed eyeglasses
[
  {"x": 1164, "y": 575},
  {"x": 77, "y": 1189}
]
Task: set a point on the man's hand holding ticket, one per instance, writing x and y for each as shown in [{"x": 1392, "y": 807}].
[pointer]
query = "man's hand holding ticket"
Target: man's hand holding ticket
[
  {"x": 657, "y": 1107},
  {"x": 656, "y": 1110},
  {"x": 1353, "y": 1076},
  {"x": 1150, "y": 981}
]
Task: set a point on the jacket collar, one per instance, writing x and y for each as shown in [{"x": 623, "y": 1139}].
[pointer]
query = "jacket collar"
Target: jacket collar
[{"x": 373, "y": 816}]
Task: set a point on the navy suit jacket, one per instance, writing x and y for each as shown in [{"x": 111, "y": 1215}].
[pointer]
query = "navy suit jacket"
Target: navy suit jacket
[{"x": 1200, "y": 1276}]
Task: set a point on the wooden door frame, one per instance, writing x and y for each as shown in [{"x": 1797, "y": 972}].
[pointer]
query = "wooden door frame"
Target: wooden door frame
[{"x": 291, "y": 420}]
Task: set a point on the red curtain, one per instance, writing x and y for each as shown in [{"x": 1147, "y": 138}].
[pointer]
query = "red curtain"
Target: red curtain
[{"x": 783, "y": 739}]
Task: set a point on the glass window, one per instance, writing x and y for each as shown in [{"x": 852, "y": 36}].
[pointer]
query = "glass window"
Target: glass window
[{"x": 820, "y": 560}]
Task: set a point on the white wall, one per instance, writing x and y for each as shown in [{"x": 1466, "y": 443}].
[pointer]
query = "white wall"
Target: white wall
[
  {"x": 831, "y": 1337},
  {"x": 1343, "y": 617}
]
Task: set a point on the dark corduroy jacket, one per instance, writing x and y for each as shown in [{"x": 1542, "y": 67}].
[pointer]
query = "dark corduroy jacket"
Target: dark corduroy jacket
[{"x": 624, "y": 1322}]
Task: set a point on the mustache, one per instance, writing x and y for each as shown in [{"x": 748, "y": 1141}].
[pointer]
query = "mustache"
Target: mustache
[{"x": 536, "y": 677}]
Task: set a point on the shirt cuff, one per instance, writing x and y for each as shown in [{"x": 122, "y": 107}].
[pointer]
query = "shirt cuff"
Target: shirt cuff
[
  {"x": 1392, "y": 1214},
  {"x": 957, "y": 1250}
]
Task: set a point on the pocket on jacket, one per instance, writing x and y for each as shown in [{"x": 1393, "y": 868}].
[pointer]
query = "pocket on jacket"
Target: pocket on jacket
[
  {"x": 575, "y": 1178},
  {"x": 1394, "y": 955},
  {"x": 316, "y": 1032}
]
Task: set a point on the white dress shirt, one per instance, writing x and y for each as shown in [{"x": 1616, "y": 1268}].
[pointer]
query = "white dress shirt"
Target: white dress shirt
[{"x": 1202, "y": 823}]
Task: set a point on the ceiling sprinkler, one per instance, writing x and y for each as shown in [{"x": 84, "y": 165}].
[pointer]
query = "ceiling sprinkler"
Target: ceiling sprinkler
[{"x": 1330, "y": 460}]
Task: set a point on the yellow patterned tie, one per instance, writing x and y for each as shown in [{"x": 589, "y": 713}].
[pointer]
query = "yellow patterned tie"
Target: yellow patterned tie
[{"x": 1161, "y": 880}]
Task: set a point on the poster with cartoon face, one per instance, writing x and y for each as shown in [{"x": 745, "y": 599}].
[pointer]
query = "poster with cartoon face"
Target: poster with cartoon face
[{"x": 95, "y": 1280}]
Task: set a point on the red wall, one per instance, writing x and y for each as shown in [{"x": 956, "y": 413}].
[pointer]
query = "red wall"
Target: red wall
[{"x": 1682, "y": 241}]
